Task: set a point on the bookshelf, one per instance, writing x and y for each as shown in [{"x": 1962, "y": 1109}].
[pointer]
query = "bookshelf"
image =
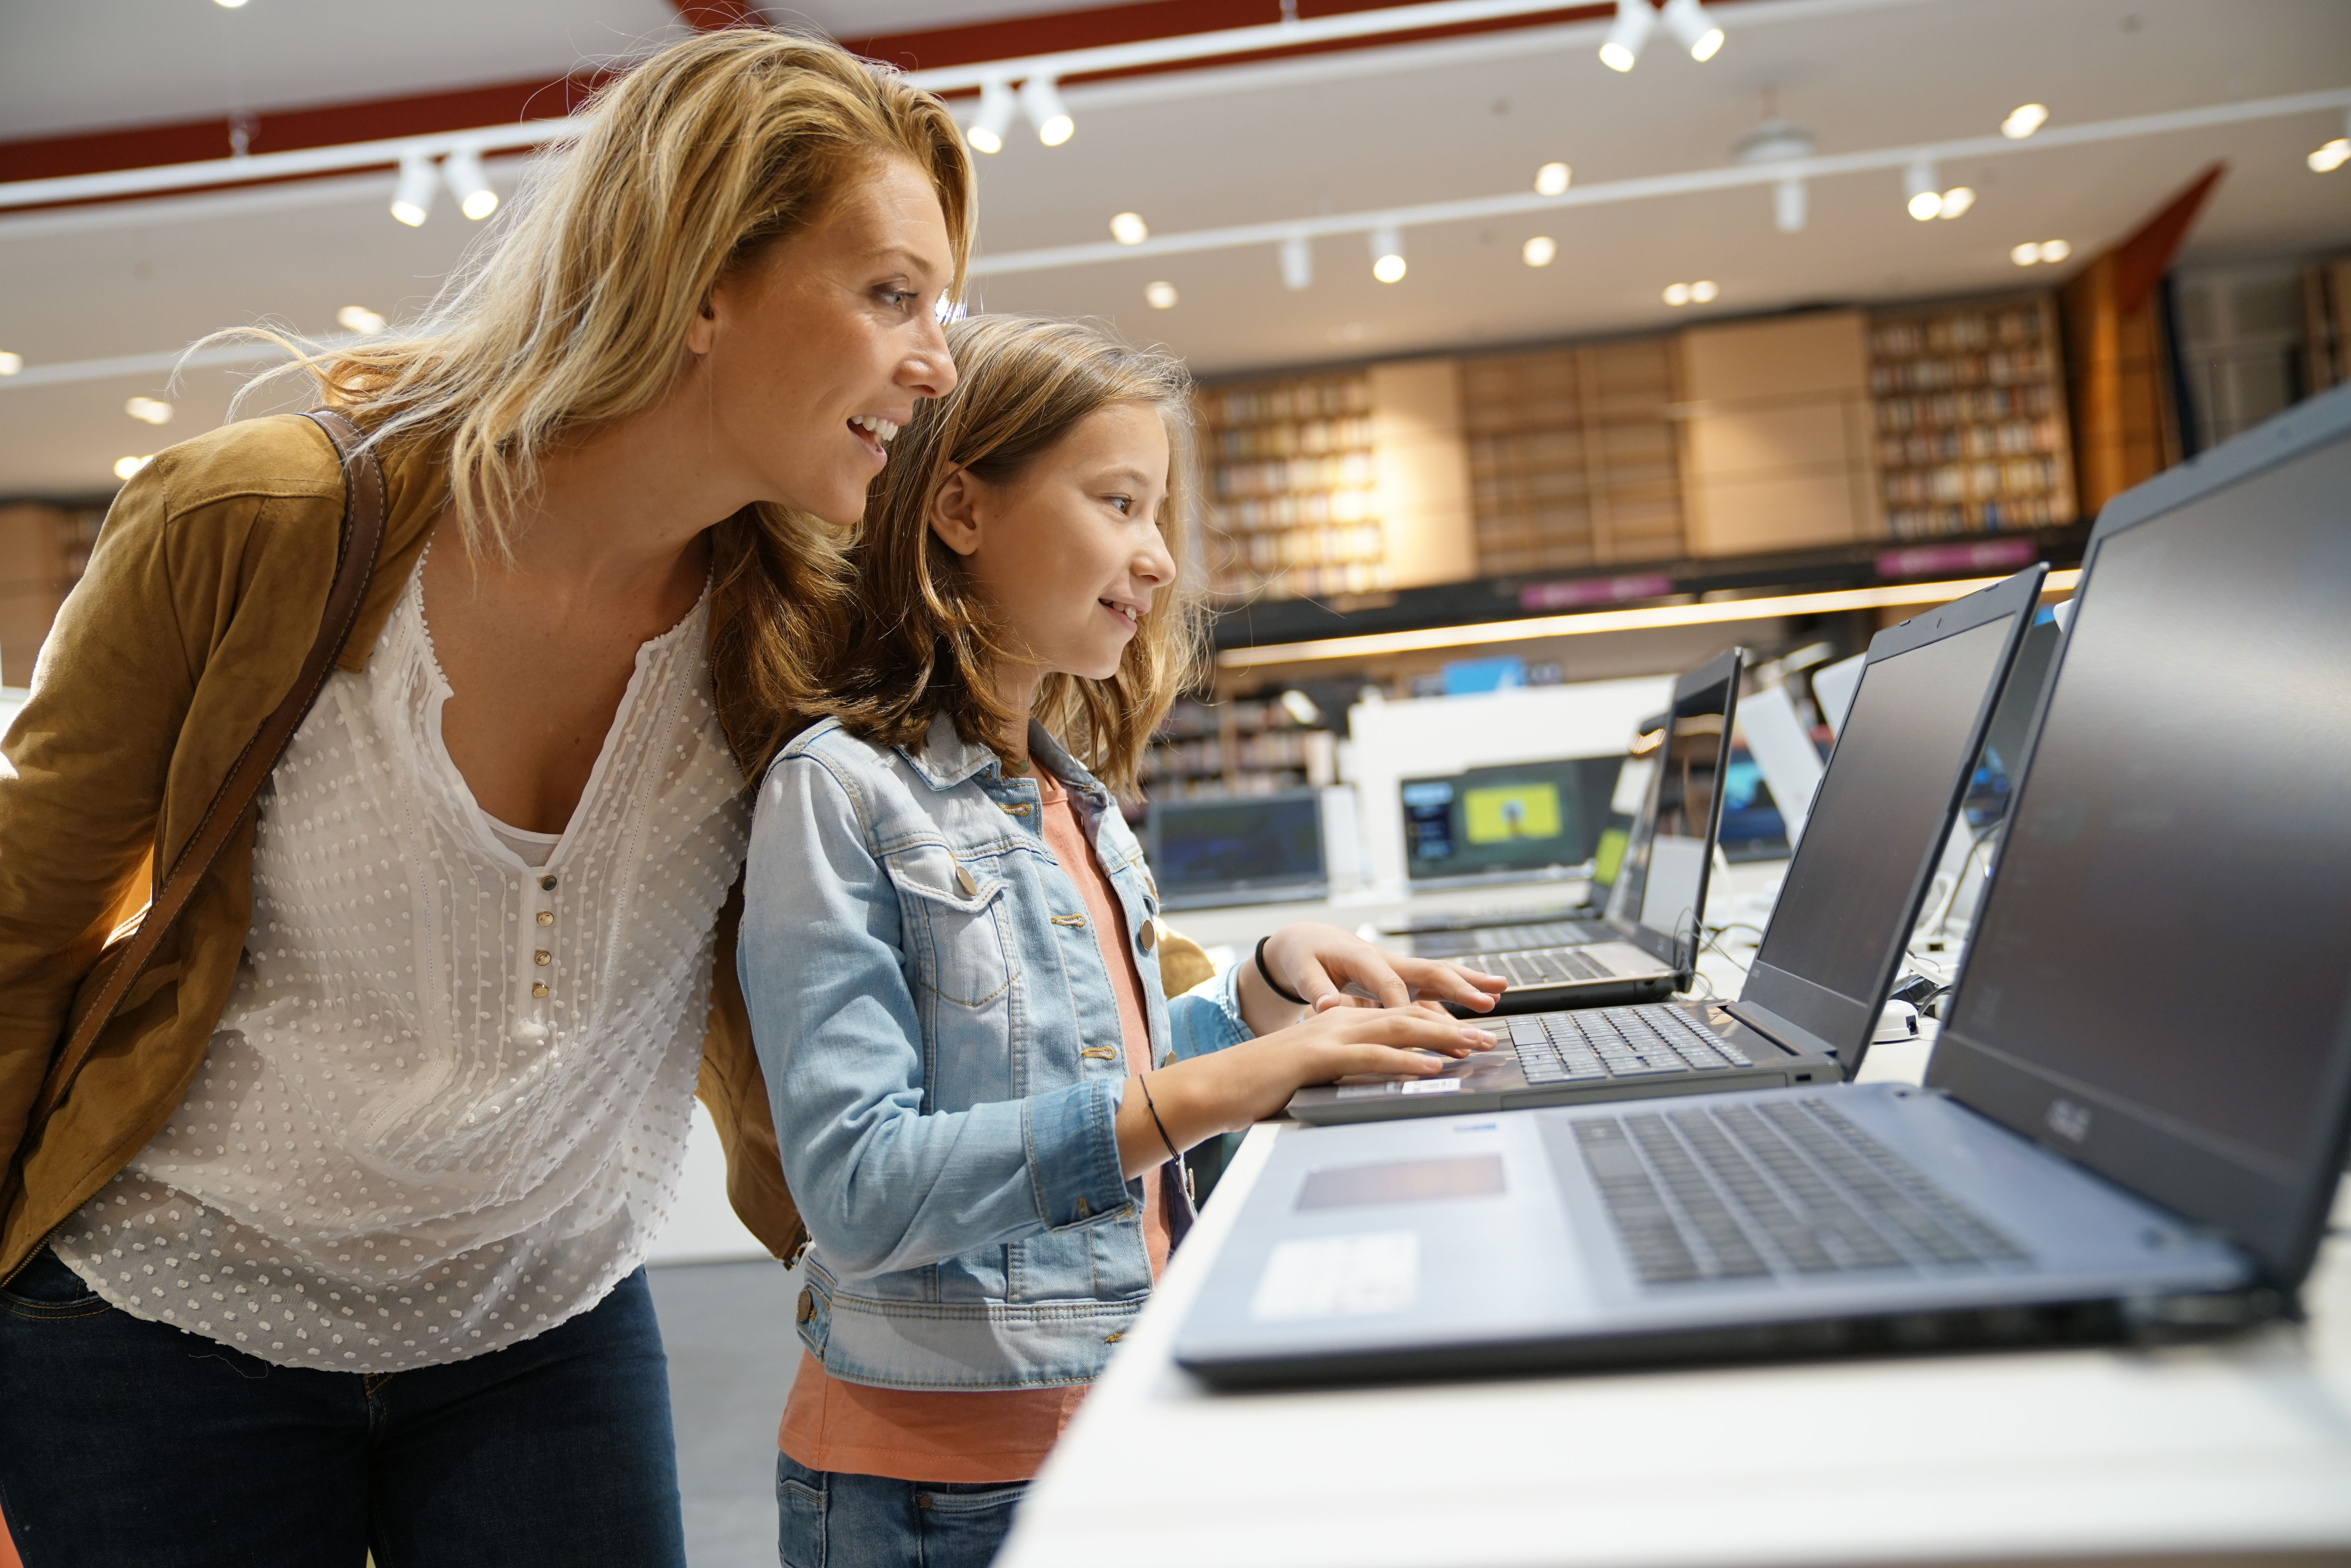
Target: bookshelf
[
  {"x": 1243, "y": 747},
  {"x": 1293, "y": 495},
  {"x": 1970, "y": 417},
  {"x": 1572, "y": 457}
]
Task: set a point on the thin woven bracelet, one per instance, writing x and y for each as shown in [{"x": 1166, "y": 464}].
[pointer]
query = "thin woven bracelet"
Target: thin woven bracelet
[
  {"x": 1153, "y": 1107},
  {"x": 1278, "y": 990}
]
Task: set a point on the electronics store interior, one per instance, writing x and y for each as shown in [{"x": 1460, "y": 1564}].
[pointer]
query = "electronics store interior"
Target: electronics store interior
[{"x": 1682, "y": 503}]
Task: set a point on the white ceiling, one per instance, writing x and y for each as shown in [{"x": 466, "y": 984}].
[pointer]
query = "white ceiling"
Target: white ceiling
[{"x": 1344, "y": 133}]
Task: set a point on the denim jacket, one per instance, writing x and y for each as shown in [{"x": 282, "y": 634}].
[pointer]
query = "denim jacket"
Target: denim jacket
[{"x": 942, "y": 1047}]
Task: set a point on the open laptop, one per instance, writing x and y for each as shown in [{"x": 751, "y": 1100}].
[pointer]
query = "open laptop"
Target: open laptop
[
  {"x": 1830, "y": 953},
  {"x": 1506, "y": 822},
  {"x": 1646, "y": 947},
  {"x": 2136, "y": 1112},
  {"x": 1249, "y": 849}
]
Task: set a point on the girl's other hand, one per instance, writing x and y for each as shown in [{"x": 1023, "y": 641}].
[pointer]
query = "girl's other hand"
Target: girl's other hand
[{"x": 1319, "y": 962}]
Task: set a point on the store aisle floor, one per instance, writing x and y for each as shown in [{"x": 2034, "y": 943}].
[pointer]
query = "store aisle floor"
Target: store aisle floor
[{"x": 728, "y": 1331}]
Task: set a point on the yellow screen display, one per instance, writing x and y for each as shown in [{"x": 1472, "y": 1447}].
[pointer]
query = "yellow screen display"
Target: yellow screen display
[{"x": 1509, "y": 811}]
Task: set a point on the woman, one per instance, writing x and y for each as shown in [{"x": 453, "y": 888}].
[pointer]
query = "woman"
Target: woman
[
  {"x": 953, "y": 967},
  {"x": 335, "y": 1244}
]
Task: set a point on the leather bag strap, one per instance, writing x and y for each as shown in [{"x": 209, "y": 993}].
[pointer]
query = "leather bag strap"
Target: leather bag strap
[{"x": 355, "y": 551}]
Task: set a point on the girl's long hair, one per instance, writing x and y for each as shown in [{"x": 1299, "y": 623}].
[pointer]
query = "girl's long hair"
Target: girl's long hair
[
  {"x": 573, "y": 311},
  {"x": 923, "y": 642}
]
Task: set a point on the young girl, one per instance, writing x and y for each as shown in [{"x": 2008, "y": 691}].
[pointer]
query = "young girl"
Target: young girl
[{"x": 951, "y": 964}]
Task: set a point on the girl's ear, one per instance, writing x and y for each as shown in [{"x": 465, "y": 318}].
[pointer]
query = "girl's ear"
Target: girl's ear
[{"x": 955, "y": 512}]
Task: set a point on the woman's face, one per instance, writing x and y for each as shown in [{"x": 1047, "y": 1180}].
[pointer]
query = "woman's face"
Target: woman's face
[
  {"x": 1070, "y": 553},
  {"x": 816, "y": 352}
]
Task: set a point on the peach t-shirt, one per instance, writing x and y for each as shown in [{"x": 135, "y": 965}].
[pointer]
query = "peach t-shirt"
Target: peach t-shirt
[{"x": 993, "y": 1436}]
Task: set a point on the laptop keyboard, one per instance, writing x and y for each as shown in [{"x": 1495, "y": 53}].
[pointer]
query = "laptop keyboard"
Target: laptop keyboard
[
  {"x": 1742, "y": 1192},
  {"x": 1617, "y": 1042},
  {"x": 1511, "y": 938},
  {"x": 1545, "y": 967}
]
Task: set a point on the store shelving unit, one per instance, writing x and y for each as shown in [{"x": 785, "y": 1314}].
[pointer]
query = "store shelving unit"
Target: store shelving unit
[
  {"x": 1572, "y": 457},
  {"x": 1238, "y": 747},
  {"x": 1294, "y": 509},
  {"x": 1972, "y": 435}
]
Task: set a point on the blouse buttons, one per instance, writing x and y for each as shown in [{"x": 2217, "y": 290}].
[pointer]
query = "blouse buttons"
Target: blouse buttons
[
  {"x": 547, "y": 918},
  {"x": 542, "y": 957},
  {"x": 539, "y": 988},
  {"x": 547, "y": 883}
]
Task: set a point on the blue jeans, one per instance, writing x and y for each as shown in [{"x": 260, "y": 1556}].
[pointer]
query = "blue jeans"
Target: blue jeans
[
  {"x": 832, "y": 1520},
  {"x": 128, "y": 1442}
]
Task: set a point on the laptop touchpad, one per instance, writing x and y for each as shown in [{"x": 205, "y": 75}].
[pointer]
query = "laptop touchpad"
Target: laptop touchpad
[{"x": 1402, "y": 1181}]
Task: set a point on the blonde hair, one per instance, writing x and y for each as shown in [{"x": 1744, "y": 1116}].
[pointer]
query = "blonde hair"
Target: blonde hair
[
  {"x": 923, "y": 640},
  {"x": 574, "y": 311}
]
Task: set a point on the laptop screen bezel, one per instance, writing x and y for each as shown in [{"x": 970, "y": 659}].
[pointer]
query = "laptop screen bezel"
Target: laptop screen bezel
[
  {"x": 1820, "y": 1017},
  {"x": 1724, "y": 669},
  {"x": 2279, "y": 1222}
]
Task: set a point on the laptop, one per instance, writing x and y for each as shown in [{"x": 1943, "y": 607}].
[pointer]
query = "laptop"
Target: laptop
[
  {"x": 2138, "y": 1106},
  {"x": 1525, "y": 821},
  {"x": 1646, "y": 947},
  {"x": 1820, "y": 978},
  {"x": 1225, "y": 849}
]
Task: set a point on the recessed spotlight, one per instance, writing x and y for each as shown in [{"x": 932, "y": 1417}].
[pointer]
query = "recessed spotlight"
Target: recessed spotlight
[
  {"x": 360, "y": 319},
  {"x": 1387, "y": 252},
  {"x": 1160, "y": 294},
  {"x": 2030, "y": 253},
  {"x": 149, "y": 410},
  {"x": 1128, "y": 228},
  {"x": 2055, "y": 250},
  {"x": 996, "y": 107},
  {"x": 1677, "y": 293},
  {"x": 227, "y": 5},
  {"x": 1956, "y": 200},
  {"x": 1703, "y": 291},
  {"x": 2024, "y": 120},
  {"x": 1552, "y": 179},
  {"x": 125, "y": 467},
  {"x": 10, "y": 363},
  {"x": 1539, "y": 251},
  {"x": 2332, "y": 156}
]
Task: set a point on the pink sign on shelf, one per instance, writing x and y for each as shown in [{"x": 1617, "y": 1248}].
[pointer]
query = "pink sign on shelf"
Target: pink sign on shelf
[
  {"x": 1980, "y": 555},
  {"x": 1595, "y": 590}
]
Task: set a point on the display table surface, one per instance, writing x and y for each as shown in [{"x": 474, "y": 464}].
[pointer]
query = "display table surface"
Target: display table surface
[{"x": 2216, "y": 1451}]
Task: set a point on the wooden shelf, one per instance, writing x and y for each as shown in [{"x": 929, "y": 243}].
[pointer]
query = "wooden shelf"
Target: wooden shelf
[{"x": 1293, "y": 489}]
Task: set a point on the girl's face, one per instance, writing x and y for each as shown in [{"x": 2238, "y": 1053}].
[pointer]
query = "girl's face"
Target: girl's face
[
  {"x": 815, "y": 351},
  {"x": 1070, "y": 553}
]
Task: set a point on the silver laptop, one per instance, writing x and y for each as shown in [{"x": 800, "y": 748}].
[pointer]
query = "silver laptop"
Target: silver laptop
[
  {"x": 1648, "y": 946},
  {"x": 1230, "y": 849},
  {"x": 1829, "y": 956},
  {"x": 2136, "y": 1111}
]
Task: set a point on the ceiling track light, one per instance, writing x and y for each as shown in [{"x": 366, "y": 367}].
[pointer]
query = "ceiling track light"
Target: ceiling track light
[
  {"x": 1956, "y": 200},
  {"x": 1553, "y": 179},
  {"x": 1790, "y": 206},
  {"x": 1626, "y": 34},
  {"x": 1918, "y": 190},
  {"x": 1297, "y": 264},
  {"x": 2024, "y": 120},
  {"x": 2332, "y": 155},
  {"x": 469, "y": 184},
  {"x": 1692, "y": 28},
  {"x": 412, "y": 199},
  {"x": 1040, "y": 101},
  {"x": 996, "y": 107},
  {"x": 1387, "y": 252}
]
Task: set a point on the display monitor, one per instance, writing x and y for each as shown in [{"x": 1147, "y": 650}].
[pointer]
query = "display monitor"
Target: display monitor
[
  {"x": 1528, "y": 818},
  {"x": 1238, "y": 849},
  {"x": 1660, "y": 888}
]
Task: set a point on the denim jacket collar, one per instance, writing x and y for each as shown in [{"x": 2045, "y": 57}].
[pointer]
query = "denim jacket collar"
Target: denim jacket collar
[{"x": 946, "y": 759}]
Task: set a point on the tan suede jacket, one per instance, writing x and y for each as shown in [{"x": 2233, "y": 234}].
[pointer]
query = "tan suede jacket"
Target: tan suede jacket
[{"x": 200, "y": 599}]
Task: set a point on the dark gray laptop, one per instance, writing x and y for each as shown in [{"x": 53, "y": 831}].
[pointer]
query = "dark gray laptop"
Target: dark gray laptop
[
  {"x": 1238, "y": 849},
  {"x": 1647, "y": 947},
  {"x": 1813, "y": 995},
  {"x": 2138, "y": 1105}
]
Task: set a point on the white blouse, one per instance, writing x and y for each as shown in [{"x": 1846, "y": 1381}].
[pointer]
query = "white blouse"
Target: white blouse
[{"x": 446, "y": 1107}]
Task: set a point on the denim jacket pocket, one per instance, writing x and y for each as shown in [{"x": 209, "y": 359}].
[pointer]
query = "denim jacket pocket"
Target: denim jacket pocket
[{"x": 953, "y": 919}]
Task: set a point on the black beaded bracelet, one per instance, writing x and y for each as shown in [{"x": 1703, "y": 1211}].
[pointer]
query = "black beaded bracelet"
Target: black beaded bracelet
[{"x": 1278, "y": 990}]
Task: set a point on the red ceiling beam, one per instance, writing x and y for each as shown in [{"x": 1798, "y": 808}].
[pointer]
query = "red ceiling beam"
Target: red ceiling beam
[{"x": 275, "y": 131}]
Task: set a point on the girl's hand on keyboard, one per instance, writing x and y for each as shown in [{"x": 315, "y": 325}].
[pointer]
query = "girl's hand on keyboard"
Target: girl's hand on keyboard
[
  {"x": 1324, "y": 963},
  {"x": 1226, "y": 1091}
]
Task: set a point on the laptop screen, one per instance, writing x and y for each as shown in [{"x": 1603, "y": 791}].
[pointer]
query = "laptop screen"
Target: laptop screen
[
  {"x": 1658, "y": 890},
  {"x": 1877, "y": 822},
  {"x": 1201, "y": 849},
  {"x": 2163, "y": 951},
  {"x": 1521, "y": 818}
]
